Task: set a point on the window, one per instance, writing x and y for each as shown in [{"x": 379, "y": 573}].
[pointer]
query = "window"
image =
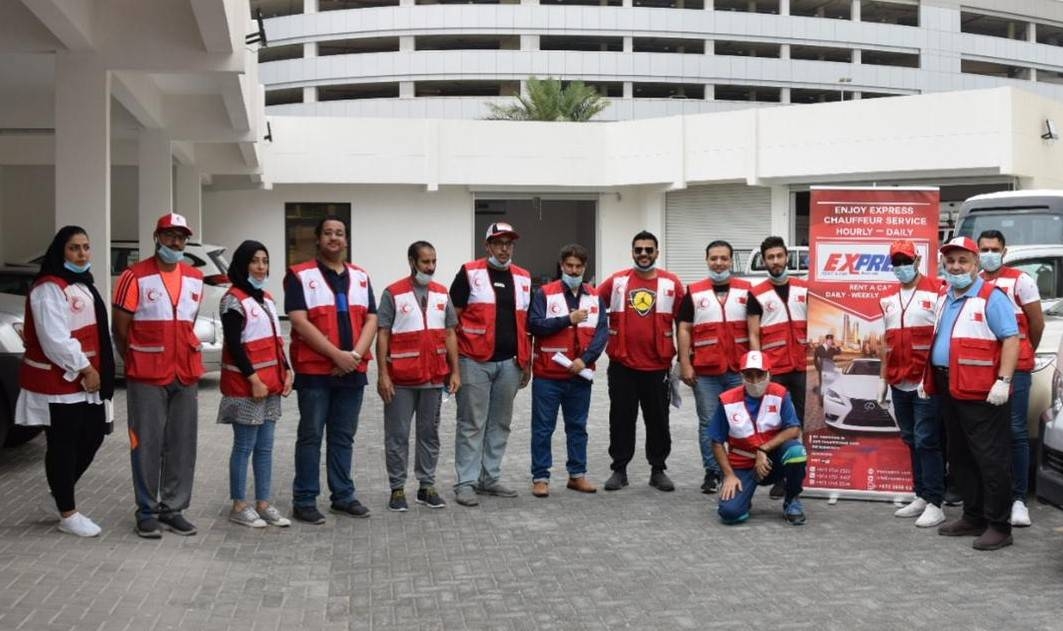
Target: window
[
  {"x": 836, "y": 9},
  {"x": 300, "y": 219},
  {"x": 669, "y": 45},
  {"x": 979, "y": 24},
  {"x": 1045, "y": 271},
  {"x": 284, "y": 96},
  {"x": 885, "y": 58}
]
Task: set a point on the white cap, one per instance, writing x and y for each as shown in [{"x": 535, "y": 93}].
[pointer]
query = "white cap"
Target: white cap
[{"x": 754, "y": 360}]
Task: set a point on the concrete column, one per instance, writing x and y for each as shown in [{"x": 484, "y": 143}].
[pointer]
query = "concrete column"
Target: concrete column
[
  {"x": 189, "y": 198},
  {"x": 858, "y": 57},
  {"x": 309, "y": 50},
  {"x": 155, "y": 161},
  {"x": 629, "y": 44},
  {"x": 627, "y": 4},
  {"x": 1031, "y": 32},
  {"x": 310, "y": 94},
  {"x": 855, "y": 10},
  {"x": 784, "y": 95},
  {"x": 406, "y": 89},
  {"x": 529, "y": 42},
  {"x": 784, "y": 51},
  {"x": 407, "y": 3},
  {"x": 710, "y": 47},
  {"x": 784, "y": 7},
  {"x": 407, "y": 44},
  {"x": 710, "y": 92},
  {"x": 710, "y": 5},
  {"x": 531, "y": 2},
  {"x": 309, "y": 6},
  {"x": 782, "y": 216},
  {"x": 83, "y": 154},
  {"x": 629, "y": 90}
]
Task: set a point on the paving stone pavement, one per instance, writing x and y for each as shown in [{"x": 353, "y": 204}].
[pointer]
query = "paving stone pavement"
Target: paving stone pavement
[{"x": 637, "y": 558}]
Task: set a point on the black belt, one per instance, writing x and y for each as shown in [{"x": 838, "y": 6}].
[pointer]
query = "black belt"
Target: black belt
[{"x": 941, "y": 370}]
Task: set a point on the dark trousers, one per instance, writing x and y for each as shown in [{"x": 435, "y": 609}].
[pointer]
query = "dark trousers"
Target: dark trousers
[
  {"x": 794, "y": 382},
  {"x": 979, "y": 448},
  {"x": 630, "y": 389},
  {"x": 75, "y": 433}
]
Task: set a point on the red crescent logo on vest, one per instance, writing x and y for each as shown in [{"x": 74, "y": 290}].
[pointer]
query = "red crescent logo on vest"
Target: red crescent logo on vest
[
  {"x": 405, "y": 308},
  {"x": 478, "y": 281},
  {"x": 77, "y": 304},
  {"x": 153, "y": 295},
  {"x": 555, "y": 308},
  {"x": 312, "y": 284},
  {"x": 704, "y": 302},
  {"x": 735, "y": 418},
  {"x": 770, "y": 306},
  {"x": 256, "y": 312}
]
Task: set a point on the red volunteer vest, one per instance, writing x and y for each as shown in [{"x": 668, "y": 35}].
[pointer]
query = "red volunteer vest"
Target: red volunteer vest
[
  {"x": 262, "y": 343},
  {"x": 663, "y": 320},
  {"x": 321, "y": 312},
  {"x": 570, "y": 341},
  {"x": 784, "y": 326},
  {"x": 162, "y": 339},
  {"x": 720, "y": 333},
  {"x": 974, "y": 351},
  {"x": 745, "y": 433},
  {"x": 37, "y": 373},
  {"x": 1006, "y": 280},
  {"x": 909, "y": 330},
  {"x": 476, "y": 326},
  {"x": 417, "y": 351}
]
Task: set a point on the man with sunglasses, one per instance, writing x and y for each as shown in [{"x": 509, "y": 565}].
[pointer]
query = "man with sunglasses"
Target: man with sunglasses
[
  {"x": 491, "y": 297},
  {"x": 643, "y": 302}
]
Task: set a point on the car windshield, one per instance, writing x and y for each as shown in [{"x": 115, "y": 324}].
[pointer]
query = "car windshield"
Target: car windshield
[
  {"x": 862, "y": 367},
  {"x": 218, "y": 256},
  {"x": 1023, "y": 226},
  {"x": 15, "y": 283}
]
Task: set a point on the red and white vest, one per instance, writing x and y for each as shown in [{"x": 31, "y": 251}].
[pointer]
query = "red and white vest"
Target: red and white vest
[
  {"x": 720, "y": 335},
  {"x": 744, "y": 432},
  {"x": 1006, "y": 279},
  {"x": 263, "y": 344},
  {"x": 417, "y": 350},
  {"x": 321, "y": 312},
  {"x": 37, "y": 373},
  {"x": 974, "y": 350},
  {"x": 784, "y": 326},
  {"x": 663, "y": 317},
  {"x": 909, "y": 329},
  {"x": 162, "y": 336},
  {"x": 570, "y": 341},
  {"x": 476, "y": 326}
]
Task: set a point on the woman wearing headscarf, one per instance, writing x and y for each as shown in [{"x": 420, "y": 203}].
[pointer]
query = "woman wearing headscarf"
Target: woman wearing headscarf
[
  {"x": 255, "y": 374},
  {"x": 67, "y": 372}
]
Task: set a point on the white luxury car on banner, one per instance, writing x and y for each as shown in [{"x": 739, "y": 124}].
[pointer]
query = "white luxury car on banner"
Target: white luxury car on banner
[{"x": 850, "y": 399}]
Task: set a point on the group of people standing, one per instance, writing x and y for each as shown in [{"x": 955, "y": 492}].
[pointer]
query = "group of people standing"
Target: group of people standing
[{"x": 742, "y": 347}]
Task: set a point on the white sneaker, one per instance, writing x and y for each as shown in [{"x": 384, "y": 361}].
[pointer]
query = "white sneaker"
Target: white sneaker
[
  {"x": 914, "y": 509},
  {"x": 932, "y": 516},
  {"x": 78, "y": 524},
  {"x": 1020, "y": 515}
]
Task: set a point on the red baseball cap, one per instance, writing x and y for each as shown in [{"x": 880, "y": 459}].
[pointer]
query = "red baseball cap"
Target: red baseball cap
[
  {"x": 173, "y": 221},
  {"x": 500, "y": 229},
  {"x": 907, "y": 248},
  {"x": 960, "y": 243},
  {"x": 754, "y": 360}
]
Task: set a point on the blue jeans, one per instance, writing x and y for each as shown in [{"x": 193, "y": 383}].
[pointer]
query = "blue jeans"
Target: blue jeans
[
  {"x": 248, "y": 440},
  {"x": 707, "y": 392},
  {"x": 737, "y": 508},
  {"x": 920, "y": 423},
  {"x": 485, "y": 411},
  {"x": 332, "y": 412},
  {"x": 573, "y": 397},
  {"x": 1020, "y": 435}
]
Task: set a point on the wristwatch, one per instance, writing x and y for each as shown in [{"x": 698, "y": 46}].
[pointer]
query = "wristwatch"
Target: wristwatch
[{"x": 1004, "y": 379}]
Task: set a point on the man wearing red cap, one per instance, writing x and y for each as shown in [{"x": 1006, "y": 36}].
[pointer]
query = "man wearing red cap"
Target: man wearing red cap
[
  {"x": 155, "y": 306},
  {"x": 757, "y": 439},
  {"x": 908, "y": 313},
  {"x": 1026, "y": 301},
  {"x": 972, "y": 360},
  {"x": 491, "y": 297}
]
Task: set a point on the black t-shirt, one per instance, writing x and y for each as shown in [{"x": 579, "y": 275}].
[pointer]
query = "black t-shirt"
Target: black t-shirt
[
  {"x": 686, "y": 307},
  {"x": 754, "y": 307},
  {"x": 505, "y": 308}
]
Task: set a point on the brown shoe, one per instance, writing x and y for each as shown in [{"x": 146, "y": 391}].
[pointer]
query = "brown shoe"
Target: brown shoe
[
  {"x": 581, "y": 485},
  {"x": 961, "y": 528},
  {"x": 992, "y": 539},
  {"x": 540, "y": 489}
]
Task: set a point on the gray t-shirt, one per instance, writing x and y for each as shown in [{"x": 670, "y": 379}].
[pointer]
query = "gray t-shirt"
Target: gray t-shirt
[{"x": 385, "y": 309}]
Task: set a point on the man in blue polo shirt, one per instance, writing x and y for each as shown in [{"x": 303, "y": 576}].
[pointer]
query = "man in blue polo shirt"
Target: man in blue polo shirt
[{"x": 972, "y": 360}]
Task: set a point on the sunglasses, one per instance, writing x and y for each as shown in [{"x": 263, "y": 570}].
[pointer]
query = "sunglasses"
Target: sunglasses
[{"x": 644, "y": 250}]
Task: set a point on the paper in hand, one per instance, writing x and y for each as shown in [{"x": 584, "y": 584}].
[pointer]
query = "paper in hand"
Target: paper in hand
[{"x": 586, "y": 373}]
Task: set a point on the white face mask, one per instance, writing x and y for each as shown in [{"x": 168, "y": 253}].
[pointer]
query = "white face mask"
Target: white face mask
[
  {"x": 422, "y": 278},
  {"x": 756, "y": 389}
]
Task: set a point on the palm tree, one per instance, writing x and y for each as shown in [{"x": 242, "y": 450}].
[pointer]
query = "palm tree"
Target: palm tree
[{"x": 549, "y": 100}]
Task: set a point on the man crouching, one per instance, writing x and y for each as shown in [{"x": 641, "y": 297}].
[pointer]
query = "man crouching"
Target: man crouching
[{"x": 756, "y": 438}]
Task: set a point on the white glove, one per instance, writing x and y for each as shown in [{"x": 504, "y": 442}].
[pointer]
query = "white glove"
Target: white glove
[
  {"x": 920, "y": 391},
  {"x": 999, "y": 394},
  {"x": 883, "y": 390}
]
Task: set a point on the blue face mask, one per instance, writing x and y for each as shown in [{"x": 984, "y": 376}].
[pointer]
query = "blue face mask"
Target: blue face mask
[
  {"x": 991, "y": 261},
  {"x": 648, "y": 268},
  {"x": 169, "y": 255},
  {"x": 256, "y": 283},
  {"x": 571, "y": 282},
  {"x": 905, "y": 273},
  {"x": 959, "y": 281},
  {"x": 782, "y": 275},
  {"x": 498, "y": 264},
  {"x": 719, "y": 277},
  {"x": 77, "y": 269}
]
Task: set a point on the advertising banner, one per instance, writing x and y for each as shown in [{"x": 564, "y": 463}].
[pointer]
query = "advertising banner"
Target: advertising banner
[{"x": 854, "y": 445}]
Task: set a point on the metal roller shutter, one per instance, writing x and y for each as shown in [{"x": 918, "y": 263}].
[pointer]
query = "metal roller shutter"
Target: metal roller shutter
[{"x": 696, "y": 215}]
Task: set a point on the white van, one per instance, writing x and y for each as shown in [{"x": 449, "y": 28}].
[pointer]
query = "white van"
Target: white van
[{"x": 1031, "y": 217}]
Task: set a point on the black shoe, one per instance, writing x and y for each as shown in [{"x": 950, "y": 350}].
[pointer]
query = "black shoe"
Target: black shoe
[
  {"x": 616, "y": 481},
  {"x": 353, "y": 508},
  {"x": 952, "y": 498},
  {"x": 177, "y": 524},
  {"x": 397, "y": 502},
  {"x": 660, "y": 481},
  {"x": 308, "y": 514},
  {"x": 711, "y": 483},
  {"x": 149, "y": 528},
  {"x": 428, "y": 496},
  {"x": 778, "y": 490}
]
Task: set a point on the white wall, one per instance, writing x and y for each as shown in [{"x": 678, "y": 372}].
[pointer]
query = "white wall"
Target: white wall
[{"x": 29, "y": 210}]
